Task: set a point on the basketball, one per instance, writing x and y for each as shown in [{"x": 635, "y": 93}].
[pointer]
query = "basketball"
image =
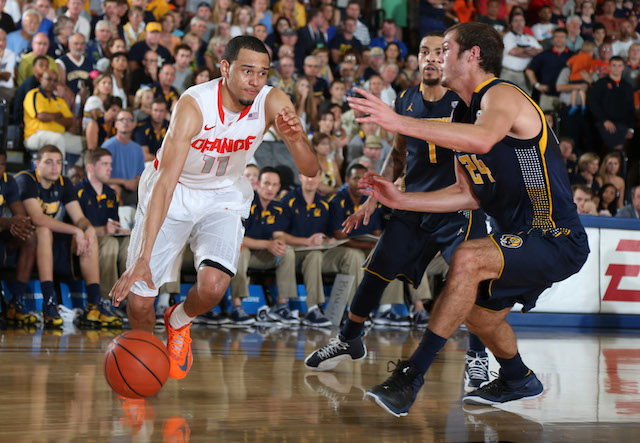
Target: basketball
[{"x": 136, "y": 364}]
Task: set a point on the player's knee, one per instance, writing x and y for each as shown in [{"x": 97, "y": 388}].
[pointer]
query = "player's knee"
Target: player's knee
[
  {"x": 44, "y": 234},
  {"x": 212, "y": 284},
  {"x": 139, "y": 306},
  {"x": 465, "y": 260}
]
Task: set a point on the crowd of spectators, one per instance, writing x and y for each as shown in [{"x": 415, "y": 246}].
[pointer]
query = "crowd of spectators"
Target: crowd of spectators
[{"x": 85, "y": 75}]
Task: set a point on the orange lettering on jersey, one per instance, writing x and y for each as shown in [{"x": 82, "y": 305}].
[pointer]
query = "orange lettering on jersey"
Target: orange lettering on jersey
[{"x": 223, "y": 145}]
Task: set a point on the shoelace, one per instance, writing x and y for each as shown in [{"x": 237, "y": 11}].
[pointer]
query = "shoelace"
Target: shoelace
[
  {"x": 478, "y": 367},
  {"x": 335, "y": 345},
  {"x": 178, "y": 344},
  {"x": 497, "y": 386},
  {"x": 400, "y": 379}
]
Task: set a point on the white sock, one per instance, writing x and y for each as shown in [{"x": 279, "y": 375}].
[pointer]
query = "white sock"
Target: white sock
[
  {"x": 311, "y": 309},
  {"x": 384, "y": 308},
  {"x": 163, "y": 302},
  {"x": 179, "y": 318}
]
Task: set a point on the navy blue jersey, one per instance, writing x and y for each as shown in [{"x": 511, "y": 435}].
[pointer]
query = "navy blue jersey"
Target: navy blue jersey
[
  {"x": 59, "y": 193},
  {"x": 8, "y": 193},
  {"x": 104, "y": 132},
  {"x": 263, "y": 222},
  {"x": 305, "y": 220},
  {"x": 342, "y": 206},
  {"x": 77, "y": 75},
  {"x": 429, "y": 167},
  {"x": 145, "y": 135},
  {"x": 523, "y": 184},
  {"x": 97, "y": 208}
]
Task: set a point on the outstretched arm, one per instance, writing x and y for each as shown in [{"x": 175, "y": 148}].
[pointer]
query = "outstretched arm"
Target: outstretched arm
[
  {"x": 282, "y": 115},
  {"x": 456, "y": 197}
]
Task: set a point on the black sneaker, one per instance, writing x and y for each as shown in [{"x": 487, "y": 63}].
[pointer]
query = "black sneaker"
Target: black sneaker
[
  {"x": 397, "y": 393},
  {"x": 420, "y": 319},
  {"x": 328, "y": 357},
  {"x": 476, "y": 370},
  {"x": 315, "y": 318},
  {"x": 390, "y": 318},
  {"x": 282, "y": 314},
  {"x": 52, "y": 317},
  {"x": 211, "y": 318},
  {"x": 240, "y": 318},
  {"x": 502, "y": 390}
]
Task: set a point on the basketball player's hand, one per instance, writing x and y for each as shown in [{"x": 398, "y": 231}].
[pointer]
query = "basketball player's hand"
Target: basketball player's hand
[
  {"x": 376, "y": 111},
  {"x": 288, "y": 125},
  {"x": 362, "y": 215},
  {"x": 21, "y": 227},
  {"x": 373, "y": 184},
  {"x": 140, "y": 271},
  {"x": 277, "y": 247}
]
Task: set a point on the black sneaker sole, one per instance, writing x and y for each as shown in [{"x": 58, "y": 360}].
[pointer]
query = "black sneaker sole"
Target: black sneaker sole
[
  {"x": 335, "y": 361},
  {"x": 374, "y": 397}
]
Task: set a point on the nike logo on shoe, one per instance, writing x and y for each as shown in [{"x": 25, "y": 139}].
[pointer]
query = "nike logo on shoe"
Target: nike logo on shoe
[{"x": 184, "y": 367}]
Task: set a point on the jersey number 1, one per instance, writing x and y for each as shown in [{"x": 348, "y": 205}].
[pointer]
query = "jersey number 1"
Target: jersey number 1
[{"x": 208, "y": 165}]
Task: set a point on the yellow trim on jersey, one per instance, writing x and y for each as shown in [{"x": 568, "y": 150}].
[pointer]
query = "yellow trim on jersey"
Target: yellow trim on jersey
[
  {"x": 403, "y": 93},
  {"x": 378, "y": 275},
  {"x": 483, "y": 84},
  {"x": 501, "y": 266},
  {"x": 466, "y": 237},
  {"x": 408, "y": 280}
]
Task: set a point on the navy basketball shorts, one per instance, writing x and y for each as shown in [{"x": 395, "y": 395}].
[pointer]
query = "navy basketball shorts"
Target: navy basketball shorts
[
  {"x": 8, "y": 256},
  {"x": 531, "y": 262},
  {"x": 411, "y": 240},
  {"x": 65, "y": 262}
]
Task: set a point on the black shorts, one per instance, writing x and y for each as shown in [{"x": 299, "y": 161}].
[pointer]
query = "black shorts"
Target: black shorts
[
  {"x": 8, "y": 256},
  {"x": 65, "y": 262},
  {"x": 532, "y": 262},
  {"x": 411, "y": 240}
]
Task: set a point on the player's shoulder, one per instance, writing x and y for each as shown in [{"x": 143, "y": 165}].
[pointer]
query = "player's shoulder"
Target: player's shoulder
[{"x": 26, "y": 176}]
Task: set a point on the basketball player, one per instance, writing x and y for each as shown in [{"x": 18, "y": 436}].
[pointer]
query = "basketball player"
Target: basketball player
[
  {"x": 411, "y": 239},
  {"x": 509, "y": 163},
  {"x": 194, "y": 191}
]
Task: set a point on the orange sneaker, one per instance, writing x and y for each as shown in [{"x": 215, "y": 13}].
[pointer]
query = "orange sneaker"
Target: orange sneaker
[
  {"x": 178, "y": 347},
  {"x": 175, "y": 430},
  {"x": 136, "y": 412}
]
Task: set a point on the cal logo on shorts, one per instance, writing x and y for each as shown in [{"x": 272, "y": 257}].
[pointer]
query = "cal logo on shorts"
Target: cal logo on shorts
[{"x": 511, "y": 241}]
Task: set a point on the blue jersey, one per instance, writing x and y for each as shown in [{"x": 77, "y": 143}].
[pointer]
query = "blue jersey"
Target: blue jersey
[
  {"x": 305, "y": 220},
  {"x": 429, "y": 167},
  {"x": 8, "y": 193},
  {"x": 51, "y": 200},
  {"x": 341, "y": 206},
  {"x": 522, "y": 184},
  {"x": 77, "y": 75},
  {"x": 263, "y": 222},
  {"x": 97, "y": 208}
]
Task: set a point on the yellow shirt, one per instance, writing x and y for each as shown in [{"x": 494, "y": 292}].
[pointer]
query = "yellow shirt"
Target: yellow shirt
[
  {"x": 25, "y": 68},
  {"x": 36, "y": 102},
  {"x": 301, "y": 15}
]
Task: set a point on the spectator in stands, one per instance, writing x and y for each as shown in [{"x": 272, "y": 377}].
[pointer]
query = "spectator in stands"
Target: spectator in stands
[
  {"x": 311, "y": 36},
  {"x": 389, "y": 31},
  {"x": 150, "y": 132},
  {"x": 491, "y": 17},
  {"x": 62, "y": 31},
  {"x": 607, "y": 200},
  {"x": 557, "y": 15},
  {"x": 519, "y": 50},
  {"x": 631, "y": 210},
  {"x": 17, "y": 243},
  {"x": 327, "y": 125},
  {"x": 19, "y": 41},
  {"x": 305, "y": 104},
  {"x": 356, "y": 143},
  {"x": 582, "y": 197},
  {"x": 612, "y": 107},
  {"x": 115, "y": 45},
  {"x": 134, "y": 28},
  {"x": 40, "y": 46},
  {"x": 608, "y": 19},
  {"x": 347, "y": 74},
  {"x": 264, "y": 246},
  {"x": 372, "y": 149},
  {"x": 274, "y": 39},
  {"x": 215, "y": 52},
  {"x": 97, "y": 48},
  {"x": 574, "y": 39},
  {"x": 309, "y": 224},
  {"x": 374, "y": 62},
  {"x": 103, "y": 127},
  {"x": 75, "y": 174},
  {"x": 587, "y": 16},
  {"x": 610, "y": 173},
  {"x": 588, "y": 165},
  {"x": 7, "y": 70},
  {"x": 331, "y": 180},
  {"x": 198, "y": 26},
  {"x": 163, "y": 88},
  {"x": 599, "y": 35},
  {"x": 543, "y": 29},
  {"x": 40, "y": 64},
  {"x": 262, "y": 15},
  {"x": 128, "y": 159},
  {"x": 388, "y": 73},
  {"x": 336, "y": 97},
  {"x": 6, "y": 22},
  {"x": 120, "y": 77},
  {"x": 223, "y": 12},
  {"x": 631, "y": 71},
  {"x": 142, "y": 104},
  {"x": 44, "y": 193},
  {"x": 284, "y": 78},
  {"x": 628, "y": 36},
  {"x": 581, "y": 73},
  {"x": 241, "y": 23},
  {"x": 94, "y": 106},
  {"x": 151, "y": 42},
  {"x": 362, "y": 31},
  {"x": 544, "y": 68},
  {"x": 80, "y": 24},
  {"x": 147, "y": 74},
  {"x": 252, "y": 174},
  {"x": 292, "y": 10},
  {"x": 289, "y": 38},
  {"x": 99, "y": 203},
  {"x": 183, "y": 71},
  {"x": 577, "y": 125},
  {"x": 319, "y": 86},
  {"x": 566, "y": 149},
  {"x": 47, "y": 118},
  {"x": 74, "y": 69},
  {"x": 114, "y": 13},
  {"x": 167, "y": 38},
  {"x": 601, "y": 63}
]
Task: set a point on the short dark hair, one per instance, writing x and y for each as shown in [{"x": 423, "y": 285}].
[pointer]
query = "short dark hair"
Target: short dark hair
[
  {"x": 92, "y": 156},
  {"x": 243, "y": 42},
  {"x": 616, "y": 57},
  {"x": 158, "y": 101},
  {"x": 112, "y": 101},
  {"x": 47, "y": 148},
  {"x": 268, "y": 169},
  {"x": 40, "y": 57},
  {"x": 318, "y": 138},
  {"x": 582, "y": 187},
  {"x": 355, "y": 166},
  {"x": 184, "y": 47},
  {"x": 561, "y": 31},
  {"x": 3, "y": 152},
  {"x": 486, "y": 38}
]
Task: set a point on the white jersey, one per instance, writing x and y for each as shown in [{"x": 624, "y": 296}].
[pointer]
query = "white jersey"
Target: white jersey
[{"x": 223, "y": 147}]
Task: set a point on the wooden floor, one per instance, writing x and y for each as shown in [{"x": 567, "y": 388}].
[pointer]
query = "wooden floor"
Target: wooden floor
[{"x": 250, "y": 385}]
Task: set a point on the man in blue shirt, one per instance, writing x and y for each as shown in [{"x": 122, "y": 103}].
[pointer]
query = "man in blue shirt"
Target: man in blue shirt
[
  {"x": 389, "y": 31},
  {"x": 128, "y": 159},
  {"x": 100, "y": 204},
  {"x": 264, "y": 248}
]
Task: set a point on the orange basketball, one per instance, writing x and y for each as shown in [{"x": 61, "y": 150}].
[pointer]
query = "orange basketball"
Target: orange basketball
[{"x": 136, "y": 364}]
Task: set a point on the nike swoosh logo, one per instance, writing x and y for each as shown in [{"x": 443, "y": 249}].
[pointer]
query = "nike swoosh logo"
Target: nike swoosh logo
[
  {"x": 185, "y": 366},
  {"x": 209, "y": 128}
]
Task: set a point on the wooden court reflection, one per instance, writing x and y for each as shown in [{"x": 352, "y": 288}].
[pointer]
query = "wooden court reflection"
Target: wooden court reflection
[{"x": 250, "y": 385}]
